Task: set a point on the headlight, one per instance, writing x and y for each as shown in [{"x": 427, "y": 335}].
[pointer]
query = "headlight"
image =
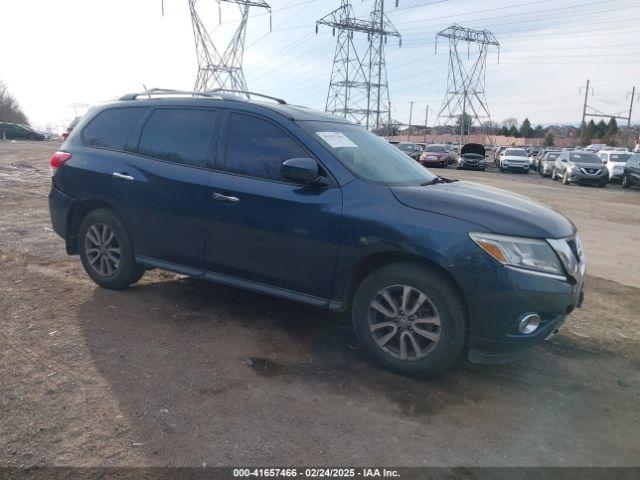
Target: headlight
[{"x": 528, "y": 253}]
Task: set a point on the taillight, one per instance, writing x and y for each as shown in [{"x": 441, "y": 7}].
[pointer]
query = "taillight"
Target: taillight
[{"x": 58, "y": 159}]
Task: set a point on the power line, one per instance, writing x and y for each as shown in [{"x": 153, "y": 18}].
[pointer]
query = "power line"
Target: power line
[{"x": 558, "y": 17}]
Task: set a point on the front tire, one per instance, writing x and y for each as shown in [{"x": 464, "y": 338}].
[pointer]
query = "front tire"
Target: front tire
[
  {"x": 626, "y": 181},
  {"x": 106, "y": 252},
  {"x": 565, "y": 178},
  {"x": 410, "y": 319}
]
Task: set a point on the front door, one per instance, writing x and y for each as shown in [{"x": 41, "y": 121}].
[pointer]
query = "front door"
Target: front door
[{"x": 262, "y": 229}]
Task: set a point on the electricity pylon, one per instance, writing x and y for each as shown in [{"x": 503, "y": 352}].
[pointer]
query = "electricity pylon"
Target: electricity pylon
[
  {"x": 358, "y": 89},
  {"x": 216, "y": 70},
  {"x": 465, "y": 102}
]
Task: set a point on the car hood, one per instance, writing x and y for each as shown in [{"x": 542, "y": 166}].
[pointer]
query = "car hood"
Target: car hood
[
  {"x": 514, "y": 157},
  {"x": 472, "y": 148},
  {"x": 499, "y": 211}
]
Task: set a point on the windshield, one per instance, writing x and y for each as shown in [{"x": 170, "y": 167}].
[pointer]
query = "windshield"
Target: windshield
[
  {"x": 434, "y": 148},
  {"x": 584, "y": 157},
  {"x": 515, "y": 152},
  {"x": 407, "y": 147},
  {"x": 366, "y": 155},
  {"x": 619, "y": 157},
  {"x": 552, "y": 156}
]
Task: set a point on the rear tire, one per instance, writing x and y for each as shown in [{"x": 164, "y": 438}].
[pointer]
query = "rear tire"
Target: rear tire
[
  {"x": 106, "y": 252},
  {"x": 439, "y": 344}
]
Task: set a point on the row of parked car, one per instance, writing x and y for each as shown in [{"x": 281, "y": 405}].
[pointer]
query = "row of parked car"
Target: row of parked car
[
  {"x": 574, "y": 166},
  {"x": 17, "y": 131},
  {"x": 468, "y": 156}
]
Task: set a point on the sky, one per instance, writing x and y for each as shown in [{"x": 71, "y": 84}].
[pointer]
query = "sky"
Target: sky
[{"x": 57, "y": 54}]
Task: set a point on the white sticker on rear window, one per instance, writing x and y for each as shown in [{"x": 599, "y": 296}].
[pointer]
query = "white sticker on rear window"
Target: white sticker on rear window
[{"x": 336, "y": 139}]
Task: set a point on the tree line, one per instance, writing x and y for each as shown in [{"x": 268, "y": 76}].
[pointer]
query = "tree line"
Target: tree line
[
  {"x": 10, "y": 110},
  {"x": 604, "y": 132}
]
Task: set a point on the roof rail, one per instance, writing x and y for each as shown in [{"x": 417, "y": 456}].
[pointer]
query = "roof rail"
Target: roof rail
[
  {"x": 167, "y": 91},
  {"x": 246, "y": 92}
]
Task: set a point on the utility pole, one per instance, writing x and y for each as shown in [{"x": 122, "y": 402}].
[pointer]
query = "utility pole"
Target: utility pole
[
  {"x": 590, "y": 111},
  {"x": 426, "y": 119},
  {"x": 633, "y": 94},
  {"x": 584, "y": 107},
  {"x": 410, "y": 117}
]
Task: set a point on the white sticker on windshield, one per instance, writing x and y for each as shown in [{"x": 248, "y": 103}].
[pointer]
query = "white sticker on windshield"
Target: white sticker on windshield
[{"x": 336, "y": 139}]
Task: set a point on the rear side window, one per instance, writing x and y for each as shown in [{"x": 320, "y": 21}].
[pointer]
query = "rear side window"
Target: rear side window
[
  {"x": 112, "y": 128},
  {"x": 257, "y": 148},
  {"x": 178, "y": 135}
]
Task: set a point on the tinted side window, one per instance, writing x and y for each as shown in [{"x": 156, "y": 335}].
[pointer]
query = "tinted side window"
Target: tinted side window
[
  {"x": 112, "y": 128},
  {"x": 178, "y": 135},
  {"x": 257, "y": 148}
]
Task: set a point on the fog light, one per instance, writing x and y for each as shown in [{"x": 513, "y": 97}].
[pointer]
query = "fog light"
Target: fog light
[{"x": 529, "y": 323}]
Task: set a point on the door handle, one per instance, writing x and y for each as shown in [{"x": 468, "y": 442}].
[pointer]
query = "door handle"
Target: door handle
[
  {"x": 225, "y": 198},
  {"x": 123, "y": 176}
]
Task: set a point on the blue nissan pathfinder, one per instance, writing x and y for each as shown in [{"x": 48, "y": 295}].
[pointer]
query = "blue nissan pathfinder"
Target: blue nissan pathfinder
[{"x": 288, "y": 201}]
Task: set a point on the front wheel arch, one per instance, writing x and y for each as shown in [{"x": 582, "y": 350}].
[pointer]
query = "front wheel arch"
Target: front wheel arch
[{"x": 379, "y": 260}]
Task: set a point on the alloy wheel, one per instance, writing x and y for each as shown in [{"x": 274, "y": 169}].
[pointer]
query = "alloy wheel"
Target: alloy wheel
[
  {"x": 625, "y": 181},
  {"x": 102, "y": 249},
  {"x": 404, "y": 322}
]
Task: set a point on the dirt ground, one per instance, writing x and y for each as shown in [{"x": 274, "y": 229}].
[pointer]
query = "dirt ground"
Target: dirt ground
[{"x": 177, "y": 372}]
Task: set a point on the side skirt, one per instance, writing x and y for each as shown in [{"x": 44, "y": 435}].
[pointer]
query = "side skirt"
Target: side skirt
[{"x": 241, "y": 283}]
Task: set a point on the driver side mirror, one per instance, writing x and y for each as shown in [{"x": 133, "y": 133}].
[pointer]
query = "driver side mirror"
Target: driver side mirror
[
  {"x": 603, "y": 160},
  {"x": 300, "y": 170}
]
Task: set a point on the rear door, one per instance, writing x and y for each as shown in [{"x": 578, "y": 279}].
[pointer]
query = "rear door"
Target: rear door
[
  {"x": 262, "y": 229},
  {"x": 160, "y": 187}
]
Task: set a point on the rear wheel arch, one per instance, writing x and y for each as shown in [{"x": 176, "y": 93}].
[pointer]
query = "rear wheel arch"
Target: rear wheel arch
[{"x": 76, "y": 215}]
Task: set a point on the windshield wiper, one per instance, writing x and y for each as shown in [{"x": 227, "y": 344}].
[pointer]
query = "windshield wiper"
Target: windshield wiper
[{"x": 437, "y": 179}]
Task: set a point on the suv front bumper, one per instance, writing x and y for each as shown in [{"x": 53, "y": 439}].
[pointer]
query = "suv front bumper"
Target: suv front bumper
[
  {"x": 523, "y": 167},
  {"x": 502, "y": 296},
  {"x": 581, "y": 178}
]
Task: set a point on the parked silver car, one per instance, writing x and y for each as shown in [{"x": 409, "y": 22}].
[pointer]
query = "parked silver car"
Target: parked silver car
[{"x": 547, "y": 162}]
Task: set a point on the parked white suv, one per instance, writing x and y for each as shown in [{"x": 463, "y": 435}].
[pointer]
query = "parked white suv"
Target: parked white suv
[
  {"x": 514, "y": 159},
  {"x": 615, "y": 161}
]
